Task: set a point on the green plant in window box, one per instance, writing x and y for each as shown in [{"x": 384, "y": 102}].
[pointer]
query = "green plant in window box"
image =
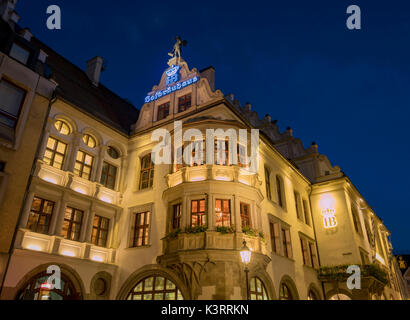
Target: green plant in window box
[
  {"x": 196, "y": 229},
  {"x": 262, "y": 236},
  {"x": 249, "y": 231},
  {"x": 339, "y": 273},
  {"x": 225, "y": 230},
  {"x": 173, "y": 234}
]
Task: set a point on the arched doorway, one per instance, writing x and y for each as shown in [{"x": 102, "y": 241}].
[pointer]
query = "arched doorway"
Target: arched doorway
[
  {"x": 38, "y": 288},
  {"x": 257, "y": 290},
  {"x": 155, "y": 287}
]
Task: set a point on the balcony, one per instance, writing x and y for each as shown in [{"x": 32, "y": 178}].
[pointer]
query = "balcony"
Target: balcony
[
  {"x": 207, "y": 240},
  {"x": 69, "y": 180},
  {"x": 57, "y": 245},
  {"x": 233, "y": 173}
]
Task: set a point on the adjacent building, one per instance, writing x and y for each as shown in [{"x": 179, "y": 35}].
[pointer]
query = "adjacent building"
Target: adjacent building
[{"x": 118, "y": 226}]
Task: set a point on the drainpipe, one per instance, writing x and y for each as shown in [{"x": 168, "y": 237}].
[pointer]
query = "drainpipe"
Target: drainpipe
[
  {"x": 317, "y": 247},
  {"x": 52, "y": 100}
]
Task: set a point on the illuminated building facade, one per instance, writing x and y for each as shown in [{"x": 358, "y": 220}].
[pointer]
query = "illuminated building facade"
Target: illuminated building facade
[{"x": 120, "y": 227}]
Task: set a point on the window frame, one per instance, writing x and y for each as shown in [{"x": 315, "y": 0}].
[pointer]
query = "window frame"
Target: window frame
[
  {"x": 83, "y": 164},
  {"x": 145, "y": 227},
  {"x": 7, "y": 115},
  {"x": 150, "y": 172},
  {"x": 163, "y": 111},
  {"x": 107, "y": 175},
  {"x": 223, "y": 213},
  {"x": 54, "y": 152},
  {"x": 267, "y": 184},
  {"x": 153, "y": 292},
  {"x": 96, "y": 240},
  {"x": 258, "y": 295},
  {"x": 71, "y": 235},
  {"x": 247, "y": 216},
  {"x": 176, "y": 216},
  {"x": 279, "y": 191},
  {"x": 25, "y": 48},
  {"x": 40, "y": 213},
  {"x": 184, "y": 105},
  {"x": 201, "y": 215}
]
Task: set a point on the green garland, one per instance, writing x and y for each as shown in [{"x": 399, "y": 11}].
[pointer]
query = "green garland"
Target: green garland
[{"x": 338, "y": 273}]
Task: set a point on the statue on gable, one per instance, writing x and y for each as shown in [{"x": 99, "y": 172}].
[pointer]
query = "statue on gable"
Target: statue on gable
[{"x": 176, "y": 52}]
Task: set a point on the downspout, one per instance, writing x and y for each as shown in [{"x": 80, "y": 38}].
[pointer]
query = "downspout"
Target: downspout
[
  {"x": 317, "y": 247},
  {"x": 52, "y": 100}
]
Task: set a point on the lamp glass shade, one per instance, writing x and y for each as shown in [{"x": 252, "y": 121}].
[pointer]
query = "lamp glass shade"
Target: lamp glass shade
[{"x": 245, "y": 254}]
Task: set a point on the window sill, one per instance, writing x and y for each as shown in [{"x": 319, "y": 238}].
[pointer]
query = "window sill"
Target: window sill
[
  {"x": 282, "y": 256},
  {"x": 140, "y": 247},
  {"x": 144, "y": 190}
]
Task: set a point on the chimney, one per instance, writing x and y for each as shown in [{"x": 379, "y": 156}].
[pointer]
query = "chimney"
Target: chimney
[
  {"x": 94, "y": 68},
  {"x": 209, "y": 74},
  {"x": 7, "y": 10}
]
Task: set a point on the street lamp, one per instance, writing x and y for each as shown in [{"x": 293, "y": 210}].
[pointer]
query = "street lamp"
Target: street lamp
[{"x": 246, "y": 259}]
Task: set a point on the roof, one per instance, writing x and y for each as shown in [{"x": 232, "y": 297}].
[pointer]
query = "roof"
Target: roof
[{"x": 75, "y": 88}]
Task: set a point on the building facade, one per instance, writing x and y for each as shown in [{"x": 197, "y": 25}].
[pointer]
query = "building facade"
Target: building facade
[{"x": 118, "y": 226}]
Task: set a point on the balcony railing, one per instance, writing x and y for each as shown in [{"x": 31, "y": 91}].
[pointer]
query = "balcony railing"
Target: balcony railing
[
  {"x": 69, "y": 180},
  {"x": 233, "y": 173},
  {"x": 57, "y": 245}
]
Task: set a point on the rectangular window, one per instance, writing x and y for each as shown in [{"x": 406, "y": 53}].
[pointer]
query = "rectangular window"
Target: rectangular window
[
  {"x": 279, "y": 191},
  {"x": 184, "y": 103},
  {"x": 176, "y": 216},
  {"x": 313, "y": 255},
  {"x": 83, "y": 165},
  {"x": 198, "y": 214},
  {"x": 275, "y": 237},
  {"x": 163, "y": 111},
  {"x": 19, "y": 53},
  {"x": 245, "y": 215},
  {"x": 223, "y": 213},
  {"x": 100, "y": 231},
  {"x": 73, "y": 219},
  {"x": 306, "y": 212},
  {"x": 286, "y": 242},
  {"x": 267, "y": 181},
  {"x": 147, "y": 172},
  {"x": 141, "y": 229},
  {"x": 55, "y": 153},
  {"x": 108, "y": 175},
  {"x": 305, "y": 252},
  {"x": 242, "y": 156},
  {"x": 221, "y": 157},
  {"x": 11, "y": 101},
  {"x": 356, "y": 221},
  {"x": 297, "y": 205},
  {"x": 40, "y": 215}
]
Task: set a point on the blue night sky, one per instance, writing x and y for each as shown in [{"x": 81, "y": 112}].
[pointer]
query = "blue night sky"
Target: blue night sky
[{"x": 349, "y": 91}]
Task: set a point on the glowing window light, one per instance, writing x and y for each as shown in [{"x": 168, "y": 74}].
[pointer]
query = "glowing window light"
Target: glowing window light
[
  {"x": 79, "y": 190},
  {"x": 106, "y": 199},
  {"x": 329, "y": 218},
  {"x": 46, "y": 286},
  {"x": 221, "y": 178},
  {"x": 97, "y": 258},
  {"x": 51, "y": 180},
  {"x": 198, "y": 179},
  {"x": 34, "y": 247},
  {"x": 68, "y": 253}
]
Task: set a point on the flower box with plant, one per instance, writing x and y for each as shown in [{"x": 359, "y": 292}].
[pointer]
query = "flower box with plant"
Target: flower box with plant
[
  {"x": 196, "y": 229},
  {"x": 225, "y": 230},
  {"x": 339, "y": 273}
]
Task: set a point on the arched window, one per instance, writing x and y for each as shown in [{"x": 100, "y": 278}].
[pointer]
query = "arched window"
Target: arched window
[
  {"x": 339, "y": 296},
  {"x": 147, "y": 172},
  {"x": 62, "y": 127},
  {"x": 37, "y": 288},
  {"x": 312, "y": 295},
  {"x": 113, "y": 153},
  {"x": 155, "y": 288},
  {"x": 257, "y": 290},
  {"x": 279, "y": 191},
  {"x": 285, "y": 293},
  {"x": 89, "y": 141}
]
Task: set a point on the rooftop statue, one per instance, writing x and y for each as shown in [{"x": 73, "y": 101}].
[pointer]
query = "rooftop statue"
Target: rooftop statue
[{"x": 176, "y": 52}]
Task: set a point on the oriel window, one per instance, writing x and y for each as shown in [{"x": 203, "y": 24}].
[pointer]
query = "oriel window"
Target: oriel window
[
  {"x": 73, "y": 220},
  {"x": 55, "y": 153},
  {"x": 198, "y": 213},
  {"x": 245, "y": 215},
  {"x": 40, "y": 215},
  {"x": 100, "y": 231},
  {"x": 176, "y": 216},
  {"x": 184, "y": 103},
  {"x": 223, "y": 213},
  {"x": 83, "y": 165},
  {"x": 108, "y": 175},
  {"x": 147, "y": 172}
]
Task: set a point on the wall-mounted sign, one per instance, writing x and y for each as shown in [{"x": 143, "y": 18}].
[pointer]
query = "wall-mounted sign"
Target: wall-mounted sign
[
  {"x": 172, "y": 84},
  {"x": 329, "y": 218}
]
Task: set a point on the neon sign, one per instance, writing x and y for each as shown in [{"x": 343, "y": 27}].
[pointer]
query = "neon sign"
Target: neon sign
[
  {"x": 172, "y": 78},
  {"x": 329, "y": 218}
]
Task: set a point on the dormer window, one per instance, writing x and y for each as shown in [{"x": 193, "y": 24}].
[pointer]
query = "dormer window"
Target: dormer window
[
  {"x": 163, "y": 111},
  {"x": 19, "y": 53},
  {"x": 184, "y": 103}
]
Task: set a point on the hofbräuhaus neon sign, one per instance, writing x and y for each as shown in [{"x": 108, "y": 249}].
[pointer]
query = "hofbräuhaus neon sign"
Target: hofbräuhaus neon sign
[{"x": 172, "y": 84}]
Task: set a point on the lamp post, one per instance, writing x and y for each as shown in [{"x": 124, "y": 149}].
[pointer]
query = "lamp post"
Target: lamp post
[{"x": 246, "y": 259}]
